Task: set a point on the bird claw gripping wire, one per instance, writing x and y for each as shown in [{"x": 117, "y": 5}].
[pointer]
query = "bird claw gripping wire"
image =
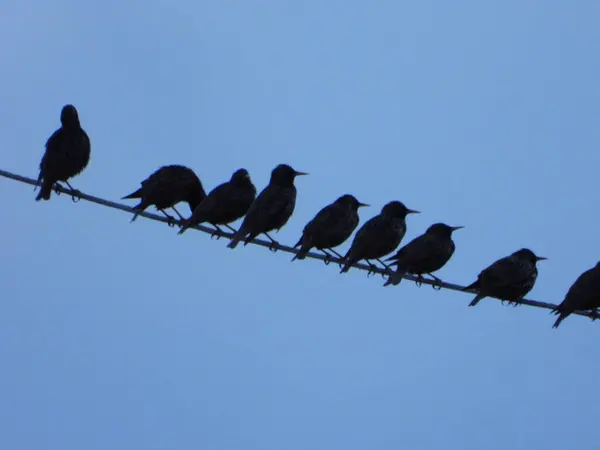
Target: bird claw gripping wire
[
  {"x": 75, "y": 196},
  {"x": 171, "y": 221},
  {"x": 274, "y": 246},
  {"x": 327, "y": 259},
  {"x": 215, "y": 235}
]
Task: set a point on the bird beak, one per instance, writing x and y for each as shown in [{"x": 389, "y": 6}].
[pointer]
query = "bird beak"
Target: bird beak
[
  {"x": 540, "y": 258},
  {"x": 362, "y": 204},
  {"x": 299, "y": 174},
  {"x": 412, "y": 211},
  {"x": 456, "y": 228}
]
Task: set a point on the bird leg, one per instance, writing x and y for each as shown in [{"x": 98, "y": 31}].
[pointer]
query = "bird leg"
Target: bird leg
[
  {"x": 233, "y": 230},
  {"x": 372, "y": 268},
  {"x": 328, "y": 257},
  {"x": 437, "y": 285},
  {"x": 274, "y": 244},
  {"x": 171, "y": 221},
  {"x": 336, "y": 254},
  {"x": 387, "y": 268},
  {"x": 75, "y": 193},
  {"x": 218, "y": 232},
  {"x": 177, "y": 212}
]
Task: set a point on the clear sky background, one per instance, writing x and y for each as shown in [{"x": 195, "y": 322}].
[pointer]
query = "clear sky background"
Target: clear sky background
[{"x": 126, "y": 336}]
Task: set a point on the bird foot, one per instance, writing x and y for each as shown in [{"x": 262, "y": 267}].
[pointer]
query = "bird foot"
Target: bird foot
[
  {"x": 437, "y": 283},
  {"x": 327, "y": 260},
  {"x": 274, "y": 246},
  {"x": 217, "y": 233},
  {"x": 372, "y": 269},
  {"x": 171, "y": 221},
  {"x": 594, "y": 315},
  {"x": 419, "y": 280}
]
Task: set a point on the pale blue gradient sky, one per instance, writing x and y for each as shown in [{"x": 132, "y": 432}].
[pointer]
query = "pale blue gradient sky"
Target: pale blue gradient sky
[{"x": 126, "y": 336}]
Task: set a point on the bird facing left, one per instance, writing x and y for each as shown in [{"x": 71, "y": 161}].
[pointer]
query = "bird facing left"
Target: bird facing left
[
  {"x": 67, "y": 153},
  {"x": 168, "y": 186}
]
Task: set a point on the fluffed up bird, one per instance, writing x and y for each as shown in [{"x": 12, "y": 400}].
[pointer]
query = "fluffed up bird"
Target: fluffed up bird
[
  {"x": 330, "y": 227},
  {"x": 509, "y": 278},
  {"x": 226, "y": 203},
  {"x": 272, "y": 208},
  {"x": 583, "y": 295},
  {"x": 168, "y": 186},
  {"x": 67, "y": 153},
  {"x": 379, "y": 235},
  {"x": 424, "y": 254}
]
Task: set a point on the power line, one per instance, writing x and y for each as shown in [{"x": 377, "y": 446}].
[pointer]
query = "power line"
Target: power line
[{"x": 76, "y": 195}]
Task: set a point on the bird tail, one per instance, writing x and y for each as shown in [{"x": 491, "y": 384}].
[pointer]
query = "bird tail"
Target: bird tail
[
  {"x": 304, "y": 249},
  {"x": 395, "y": 278},
  {"x": 136, "y": 194},
  {"x": 185, "y": 225},
  {"x": 561, "y": 317},
  {"x": 348, "y": 261},
  {"x": 474, "y": 285},
  {"x": 561, "y": 313},
  {"x": 476, "y": 300},
  {"x": 237, "y": 237},
  {"x": 45, "y": 191}
]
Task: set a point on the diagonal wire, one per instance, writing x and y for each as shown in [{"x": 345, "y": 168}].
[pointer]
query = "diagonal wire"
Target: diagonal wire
[{"x": 277, "y": 246}]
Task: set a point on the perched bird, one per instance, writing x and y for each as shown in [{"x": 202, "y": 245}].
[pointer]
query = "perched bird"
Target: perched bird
[
  {"x": 331, "y": 226},
  {"x": 424, "y": 254},
  {"x": 226, "y": 203},
  {"x": 509, "y": 278},
  {"x": 67, "y": 153},
  {"x": 583, "y": 295},
  {"x": 272, "y": 208},
  {"x": 168, "y": 186},
  {"x": 379, "y": 235}
]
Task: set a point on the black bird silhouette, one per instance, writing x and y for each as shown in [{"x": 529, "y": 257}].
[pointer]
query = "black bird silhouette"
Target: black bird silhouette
[
  {"x": 330, "y": 227},
  {"x": 424, "y": 254},
  {"x": 166, "y": 187},
  {"x": 272, "y": 208},
  {"x": 583, "y": 295},
  {"x": 379, "y": 235},
  {"x": 509, "y": 278},
  {"x": 67, "y": 153},
  {"x": 224, "y": 204}
]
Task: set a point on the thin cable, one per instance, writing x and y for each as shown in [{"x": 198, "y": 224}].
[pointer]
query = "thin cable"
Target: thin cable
[{"x": 279, "y": 247}]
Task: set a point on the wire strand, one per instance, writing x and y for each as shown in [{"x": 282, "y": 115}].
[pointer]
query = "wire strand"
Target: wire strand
[{"x": 277, "y": 246}]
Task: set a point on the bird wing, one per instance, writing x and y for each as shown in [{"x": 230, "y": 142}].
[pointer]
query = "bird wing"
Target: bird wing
[
  {"x": 416, "y": 251},
  {"x": 212, "y": 200},
  {"x": 323, "y": 220},
  {"x": 507, "y": 271}
]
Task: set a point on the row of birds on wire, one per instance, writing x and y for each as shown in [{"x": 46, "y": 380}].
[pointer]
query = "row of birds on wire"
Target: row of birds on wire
[{"x": 510, "y": 278}]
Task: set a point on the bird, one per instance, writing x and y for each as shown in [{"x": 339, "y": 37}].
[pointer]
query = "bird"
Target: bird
[
  {"x": 166, "y": 187},
  {"x": 226, "y": 203},
  {"x": 510, "y": 278},
  {"x": 583, "y": 295},
  {"x": 424, "y": 254},
  {"x": 330, "y": 227},
  {"x": 67, "y": 153},
  {"x": 379, "y": 235},
  {"x": 272, "y": 208}
]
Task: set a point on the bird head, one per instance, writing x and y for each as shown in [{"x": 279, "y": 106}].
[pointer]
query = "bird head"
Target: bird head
[
  {"x": 284, "y": 175},
  {"x": 350, "y": 201},
  {"x": 441, "y": 229},
  {"x": 528, "y": 255},
  {"x": 69, "y": 116},
  {"x": 240, "y": 176},
  {"x": 397, "y": 210}
]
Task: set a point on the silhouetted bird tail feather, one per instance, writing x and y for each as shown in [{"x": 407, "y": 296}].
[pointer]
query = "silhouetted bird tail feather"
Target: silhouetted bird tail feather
[
  {"x": 136, "y": 194},
  {"x": 395, "y": 278},
  {"x": 45, "y": 191},
  {"x": 476, "y": 300}
]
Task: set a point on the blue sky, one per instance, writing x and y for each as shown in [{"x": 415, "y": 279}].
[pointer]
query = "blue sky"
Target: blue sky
[{"x": 127, "y": 336}]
